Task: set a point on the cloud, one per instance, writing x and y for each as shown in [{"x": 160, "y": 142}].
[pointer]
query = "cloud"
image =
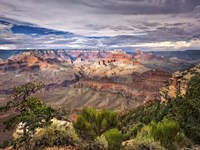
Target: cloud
[
  {"x": 167, "y": 45},
  {"x": 36, "y": 40},
  {"x": 142, "y": 6},
  {"x": 7, "y": 46},
  {"x": 98, "y": 24}
]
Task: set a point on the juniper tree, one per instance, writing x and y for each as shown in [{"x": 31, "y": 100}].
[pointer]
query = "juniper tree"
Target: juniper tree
[{"x": 30, "y": 112}]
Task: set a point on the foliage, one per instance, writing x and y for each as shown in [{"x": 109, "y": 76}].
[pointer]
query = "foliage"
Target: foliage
[
  {"x": 183, "y": 110},
  {"x": 194, "y": 87},
  {"x": 92, "y": 123},
  {"x": 131, "y": 130},
  {"x": 54, "y": 135},
  {"x": 167, "y": 132},
  {"x": 142, "y": 144},
  {"x": 31, "y": 113},
  {"x": 101, "y": 140},
  {"x": 114, "y": 138},
  {"x": 62, "y": 113},
  {"x": 144, "y": 114},
  {"x": 164, "y": 134},
  {"x": 100, "y": 143}
]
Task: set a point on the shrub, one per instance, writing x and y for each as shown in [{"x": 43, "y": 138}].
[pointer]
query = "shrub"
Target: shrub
[
  {"x": 114, "y": 138},
  {"x": 164, "y": 131},
  {"x": 131, "y": 131},
  {"x": 55, "y": 135},
  {"x": 92, "y": 123},
  {"x": 167, "y": 132},
  {"x": 142, "y": 144},
  {"x": 100, "y": 143}
]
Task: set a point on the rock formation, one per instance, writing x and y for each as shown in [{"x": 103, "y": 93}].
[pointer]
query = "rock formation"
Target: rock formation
[
  {"x": 107, "y": 79},
  {"x": 178, "y": 83}
]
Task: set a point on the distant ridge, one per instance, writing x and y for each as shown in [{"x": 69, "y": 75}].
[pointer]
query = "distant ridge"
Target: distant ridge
[
  {"x": 5, "y": 54},
  {"x": 186, "y": 55},
  {"x": 190, "y": 55}
]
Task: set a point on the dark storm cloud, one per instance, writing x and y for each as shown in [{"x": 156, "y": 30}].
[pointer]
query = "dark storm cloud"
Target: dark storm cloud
[{"x": 142, "y": 6}]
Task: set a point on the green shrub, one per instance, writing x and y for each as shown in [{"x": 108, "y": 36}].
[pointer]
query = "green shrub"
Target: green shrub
[
  {"x": 56, "y": 136},
  {"x": 92, "y": 123},
  {"x": 144, "y": 114},
  {"x": 114, "y": 138},
  {"x": 194, "y": 87},
  {"x": 131, "y": 131},
  {"x": 167, "y": 132},
  {"x": 100, "y": 143}
]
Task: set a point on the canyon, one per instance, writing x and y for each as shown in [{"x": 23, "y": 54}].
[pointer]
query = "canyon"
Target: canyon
[{"x": 74, "y": 79}]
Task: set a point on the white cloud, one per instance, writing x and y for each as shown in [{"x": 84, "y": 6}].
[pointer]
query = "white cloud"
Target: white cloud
[
  {"x": 167, "y": 45},
  {"x": 7, "y": 46}
]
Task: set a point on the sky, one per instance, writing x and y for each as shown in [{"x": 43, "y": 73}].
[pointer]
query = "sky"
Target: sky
[{"x": 100, "y": 24}]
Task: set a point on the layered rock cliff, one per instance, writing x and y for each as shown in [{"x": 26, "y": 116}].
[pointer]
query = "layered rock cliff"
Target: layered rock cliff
[
  {"x": 115, "y": 92},
  {"x": 178, "y": 83},
  {"x": 98, "y": 78}
]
